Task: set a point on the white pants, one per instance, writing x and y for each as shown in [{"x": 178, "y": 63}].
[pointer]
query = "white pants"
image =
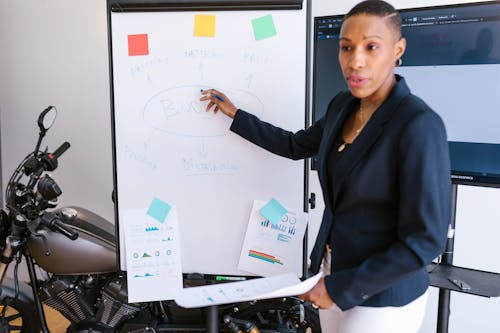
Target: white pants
[{"x": 363, "y": 319}]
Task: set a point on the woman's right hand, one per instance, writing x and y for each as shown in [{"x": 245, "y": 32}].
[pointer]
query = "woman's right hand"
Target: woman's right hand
[
  {"x": 219, "y": 101},
  {"x": 318, "y": 296}
]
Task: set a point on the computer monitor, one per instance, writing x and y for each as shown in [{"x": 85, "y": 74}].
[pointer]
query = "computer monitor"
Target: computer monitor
[{"x": 452, "y": 61}]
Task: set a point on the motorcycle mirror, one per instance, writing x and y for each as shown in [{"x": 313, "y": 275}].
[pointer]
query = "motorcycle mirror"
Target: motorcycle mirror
[
  {"x": 47, "y": 118},
  {"x": 45, "y": 121}
]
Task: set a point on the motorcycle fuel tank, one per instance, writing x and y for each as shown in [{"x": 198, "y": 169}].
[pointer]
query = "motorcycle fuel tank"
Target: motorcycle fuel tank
[{"x": 92, "y": 252}]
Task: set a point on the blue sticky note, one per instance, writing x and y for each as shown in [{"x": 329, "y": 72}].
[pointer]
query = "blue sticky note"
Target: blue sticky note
[
  {"x": 158, "y": 210},
  {"x": 273, "y": 211}
]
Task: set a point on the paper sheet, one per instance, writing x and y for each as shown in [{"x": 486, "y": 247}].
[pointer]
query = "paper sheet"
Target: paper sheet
[
  {"x": 262, "y": 288},
  {"x": 272, "y": 249},
  {"x": 154, "y": 270}
]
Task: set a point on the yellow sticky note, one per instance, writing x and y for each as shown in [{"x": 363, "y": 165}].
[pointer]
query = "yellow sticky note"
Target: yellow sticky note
[{"x": 204, "y": 25}]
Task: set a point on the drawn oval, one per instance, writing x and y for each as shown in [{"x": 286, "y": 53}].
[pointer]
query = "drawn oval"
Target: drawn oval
[{"x": 179, "y": 111}]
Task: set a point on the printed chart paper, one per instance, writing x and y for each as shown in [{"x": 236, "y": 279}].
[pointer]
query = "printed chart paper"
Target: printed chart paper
[
  {"x": 263, "y": 288},
  {"x": 154, "y": 270},
  {"x": 272, "y": 249}
]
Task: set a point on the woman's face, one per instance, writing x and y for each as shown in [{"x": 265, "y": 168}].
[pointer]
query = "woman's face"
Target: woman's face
[{"x": 368, "y": 53}]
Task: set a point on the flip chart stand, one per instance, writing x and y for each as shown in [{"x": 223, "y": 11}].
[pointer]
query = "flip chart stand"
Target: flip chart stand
[
  {"x": 125, "y": 77},
  {"x": 213, "y": 319}
]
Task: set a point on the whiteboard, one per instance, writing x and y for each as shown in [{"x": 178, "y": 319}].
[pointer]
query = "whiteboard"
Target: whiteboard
[{"x": 166, "y": 146}]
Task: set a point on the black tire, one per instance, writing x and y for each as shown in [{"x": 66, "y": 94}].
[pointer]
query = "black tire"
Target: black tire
[
  {"x": 282, "y": 315},
  {"x": 17, "y": 316}
]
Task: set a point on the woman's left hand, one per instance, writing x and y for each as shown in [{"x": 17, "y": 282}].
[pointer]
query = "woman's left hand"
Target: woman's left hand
[{"x": 318, "y": 296}]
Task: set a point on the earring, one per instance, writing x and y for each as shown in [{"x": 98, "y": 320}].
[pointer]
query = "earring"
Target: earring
[{"x": 399, "y": 62}]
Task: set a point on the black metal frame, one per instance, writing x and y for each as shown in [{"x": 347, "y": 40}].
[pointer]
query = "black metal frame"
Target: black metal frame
[
  {"x": 212, "y": 312},
  {"x": 181, "y": 5},
  {"x": 34, "y": 287}
]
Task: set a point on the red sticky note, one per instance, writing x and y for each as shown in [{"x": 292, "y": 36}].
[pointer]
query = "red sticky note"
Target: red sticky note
[{"x": 138, "y": 45}]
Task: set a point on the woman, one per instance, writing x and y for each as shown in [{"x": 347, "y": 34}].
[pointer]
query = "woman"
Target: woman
[{"x": 383, "y": 165}]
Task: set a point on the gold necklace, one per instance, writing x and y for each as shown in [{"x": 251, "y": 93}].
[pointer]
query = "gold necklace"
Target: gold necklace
[{"x": 357, "y": 131}]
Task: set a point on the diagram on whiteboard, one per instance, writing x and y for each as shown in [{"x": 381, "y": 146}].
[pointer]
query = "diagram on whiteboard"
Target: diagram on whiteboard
[{"x": 178, "y": 111}]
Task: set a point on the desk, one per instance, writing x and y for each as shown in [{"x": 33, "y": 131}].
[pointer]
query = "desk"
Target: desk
[{"x": 482, "y": 283}]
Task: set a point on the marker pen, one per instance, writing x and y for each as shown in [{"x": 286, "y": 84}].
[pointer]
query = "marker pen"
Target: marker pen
[
  {"x": 229, "y": 278},
  {"x": 215, "y": 95}
]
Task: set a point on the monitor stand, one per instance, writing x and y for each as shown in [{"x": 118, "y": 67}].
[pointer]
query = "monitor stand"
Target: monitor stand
[{"x": 449, "y": 278}]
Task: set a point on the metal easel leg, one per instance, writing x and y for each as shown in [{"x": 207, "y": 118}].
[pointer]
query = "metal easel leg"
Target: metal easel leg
[{"x": 213, "y": 319}]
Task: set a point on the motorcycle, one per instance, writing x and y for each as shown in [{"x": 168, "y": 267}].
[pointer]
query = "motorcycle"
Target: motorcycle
[{"x": 70, "y": 254}]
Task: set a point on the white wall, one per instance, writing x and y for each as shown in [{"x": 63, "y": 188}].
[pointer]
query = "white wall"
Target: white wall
[{"x": 54, "y": 52}]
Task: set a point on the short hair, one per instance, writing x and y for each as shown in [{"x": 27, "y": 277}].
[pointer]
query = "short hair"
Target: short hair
[{"x": 379, "y": 8}]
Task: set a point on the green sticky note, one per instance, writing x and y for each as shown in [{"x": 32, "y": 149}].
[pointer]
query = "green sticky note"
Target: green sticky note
[
  {"x": 158, "y": 210},
  {"x": 263, "y": 27},
  {"x": 273, "y": 211}
]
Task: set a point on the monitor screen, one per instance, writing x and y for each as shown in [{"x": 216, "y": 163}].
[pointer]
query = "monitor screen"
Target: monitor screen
[{"x": 452, "y": 61}]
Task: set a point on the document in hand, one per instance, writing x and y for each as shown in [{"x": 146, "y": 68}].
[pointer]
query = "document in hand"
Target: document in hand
[{"x": 254, "y": 289}]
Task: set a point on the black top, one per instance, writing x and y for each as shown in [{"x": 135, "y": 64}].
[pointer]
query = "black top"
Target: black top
[{"x": 335, "y": 154}]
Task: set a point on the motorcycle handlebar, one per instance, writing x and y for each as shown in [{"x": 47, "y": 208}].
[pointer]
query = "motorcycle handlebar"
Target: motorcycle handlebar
[
  {"x": 62, "y": 148},
  {"x": 51, "y": 220},
  {"x": 64, "y": 230},
  {"x": 49, "y": 161}
]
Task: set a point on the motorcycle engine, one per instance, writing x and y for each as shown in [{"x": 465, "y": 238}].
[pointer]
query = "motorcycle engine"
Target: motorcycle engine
[
  {"x": 73, "y": 296},
  {"x": 113, "y": 307},
  {"x": 91, "y": 303}
]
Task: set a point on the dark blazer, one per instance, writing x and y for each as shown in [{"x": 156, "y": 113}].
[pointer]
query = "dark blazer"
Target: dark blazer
[{"x": 387, "y": 214}]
